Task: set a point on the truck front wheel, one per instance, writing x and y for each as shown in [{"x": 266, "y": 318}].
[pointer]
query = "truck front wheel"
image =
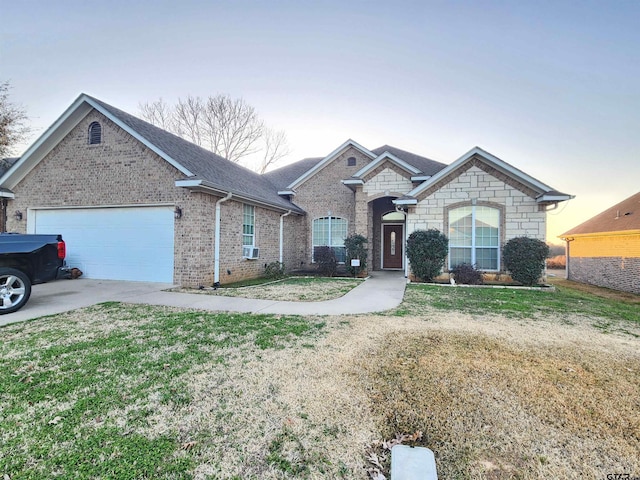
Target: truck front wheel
[{"x": 15, "y": 290}]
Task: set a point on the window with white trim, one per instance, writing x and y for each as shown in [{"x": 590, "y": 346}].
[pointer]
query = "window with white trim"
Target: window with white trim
[
  {"x": 331, "y": 232},
  {"x": 95, "y": 133},
  {"x": 248, "y": 225},
  {"x": 474, "y": 237}
]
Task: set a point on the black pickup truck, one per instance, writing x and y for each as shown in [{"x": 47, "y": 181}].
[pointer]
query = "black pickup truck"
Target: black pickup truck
[{"x": 27, "y": 260}]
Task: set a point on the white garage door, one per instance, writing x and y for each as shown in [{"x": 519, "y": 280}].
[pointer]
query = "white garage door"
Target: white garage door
[{"x": 131, "y": 243}]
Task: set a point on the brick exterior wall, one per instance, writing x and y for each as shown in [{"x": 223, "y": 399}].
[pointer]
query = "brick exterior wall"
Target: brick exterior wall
[
  {"x": 606, "y": 260},
  {"x": 121, "y": 171},
  {"x": 618, "y": 273},
  {"x": 267, "y": 239},
  {"x": 324, "y": 192}
]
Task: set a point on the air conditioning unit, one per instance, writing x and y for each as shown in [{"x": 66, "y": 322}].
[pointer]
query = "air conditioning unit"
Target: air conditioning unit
[{"x": 250, "y": 253}]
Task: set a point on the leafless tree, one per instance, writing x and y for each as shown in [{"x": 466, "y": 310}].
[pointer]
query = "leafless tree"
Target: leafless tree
[
  {"x": 13, "y": 118},
  {"x": 275, "y": 148},
  {"x": 228, "y": 127},
  {"x": 159, "y": 113}
]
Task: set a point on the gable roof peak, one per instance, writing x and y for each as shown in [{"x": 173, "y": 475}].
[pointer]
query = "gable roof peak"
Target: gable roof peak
[
  {"x": 328, "y": 159},
  {"x": 194, "y": 162}
]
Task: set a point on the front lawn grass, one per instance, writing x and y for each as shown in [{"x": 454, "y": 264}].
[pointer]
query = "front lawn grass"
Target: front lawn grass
[
  {"x": 81, "y": 399},
  {"x": 493, "y": 408},
  {"x": 515, "y": 303},
  {"x": 293, "y": 289}
]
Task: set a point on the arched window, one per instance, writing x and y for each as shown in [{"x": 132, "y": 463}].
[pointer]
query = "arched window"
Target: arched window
[
  {"x": 474, "y": 237},
  {"x": 330, "y": 232},
  {"x": 95, "y": 133}
]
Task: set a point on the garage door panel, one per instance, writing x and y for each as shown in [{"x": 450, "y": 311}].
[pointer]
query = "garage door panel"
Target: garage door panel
[{"x": 133, "y": 243}]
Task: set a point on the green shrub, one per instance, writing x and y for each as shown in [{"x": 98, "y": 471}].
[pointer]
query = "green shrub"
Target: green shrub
[
  {"x": 325, "y": 258},
  {"x": 524, "y": 258},
  {"x": 356, "y": 249},
  {"x": 427, "y": 251},
  {"x": 467, "y": 274},
  {"x": 274, "y": 270}
]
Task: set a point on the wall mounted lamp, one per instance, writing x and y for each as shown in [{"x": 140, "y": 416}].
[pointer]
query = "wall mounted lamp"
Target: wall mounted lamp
[
  {"x": 177, "y": 213},
  {"x": 18, "y": 215}
]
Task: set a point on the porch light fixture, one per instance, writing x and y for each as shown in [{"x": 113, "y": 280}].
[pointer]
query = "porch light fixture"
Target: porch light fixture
[
  {"x": 177, "y": 213},
  {"x": 18, "y": 215}
]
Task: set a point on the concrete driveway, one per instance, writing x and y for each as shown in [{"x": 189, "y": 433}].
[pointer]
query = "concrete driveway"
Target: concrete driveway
[
  {"x": 64, "y": 295},
  {"x": 381, "y": 291}
]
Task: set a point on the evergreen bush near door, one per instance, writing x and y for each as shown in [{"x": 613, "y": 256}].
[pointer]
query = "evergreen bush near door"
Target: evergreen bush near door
[{"x": 427, "y": 251}]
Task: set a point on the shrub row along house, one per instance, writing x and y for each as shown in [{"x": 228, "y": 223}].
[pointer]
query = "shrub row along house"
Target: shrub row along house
[
  {"x": 605, "y": 250},
  {"x": 135, "y": 202}
]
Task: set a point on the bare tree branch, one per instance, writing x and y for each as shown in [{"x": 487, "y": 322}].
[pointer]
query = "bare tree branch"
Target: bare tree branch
[
  {"x": 228, "y": 127},
  {"x": 275, "y": 148},
  {"x": 13, "y": 128},
  {"x": 157, "y": 113},
  {"x": 188, "y": 117}
]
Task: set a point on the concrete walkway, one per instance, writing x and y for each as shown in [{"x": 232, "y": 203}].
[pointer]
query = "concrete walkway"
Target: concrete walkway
[{"x": 382, "y": 291}]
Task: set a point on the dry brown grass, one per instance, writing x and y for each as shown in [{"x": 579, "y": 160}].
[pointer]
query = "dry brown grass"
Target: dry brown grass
[
  {"x": 496, "y": 397},
  {"x": 297, "y": 289},
  {"x": 494, "y": 408},
  {"x": 557, "y": 262}
]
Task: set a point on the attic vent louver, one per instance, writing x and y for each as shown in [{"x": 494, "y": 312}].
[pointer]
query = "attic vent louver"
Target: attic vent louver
[{"x": 95, "y": 133}]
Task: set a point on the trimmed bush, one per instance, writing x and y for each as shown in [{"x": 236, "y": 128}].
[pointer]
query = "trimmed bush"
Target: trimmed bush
[
  {"x": 427, "y": 251},
  {"x": 356, "y": 246},
  {"x": 524, "y": 258},
  {"x": 274, "y": 270},
  {"x": 467, "y": 274},
  {"x": 326, "y": 261}
]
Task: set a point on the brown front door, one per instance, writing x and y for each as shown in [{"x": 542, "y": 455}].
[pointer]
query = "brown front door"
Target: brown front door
[{"x": 392, "y": 246}]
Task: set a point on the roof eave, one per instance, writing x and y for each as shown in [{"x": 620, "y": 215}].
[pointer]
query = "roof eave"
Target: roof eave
[
  {"x": 544, "y": 198},
  {"x": 495, "y": 162},
  {"x": 569, "y": 235},
  {"x": 66, "y": 122},
  {"x": 207, "y": 187}
]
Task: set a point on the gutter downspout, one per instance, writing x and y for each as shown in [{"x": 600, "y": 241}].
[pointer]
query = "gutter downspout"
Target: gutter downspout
[
  {"x": 216, "y": 248},
  {"x": 567, "y": 254},
  {"x": 404, "y": 247},
  {"x": 282, "y": 234}
]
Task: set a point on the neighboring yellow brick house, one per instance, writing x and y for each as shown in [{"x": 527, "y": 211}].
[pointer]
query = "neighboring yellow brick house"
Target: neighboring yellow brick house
[
  {"x": 135, "y": 202},
  {"x": 605, "y": 250}
]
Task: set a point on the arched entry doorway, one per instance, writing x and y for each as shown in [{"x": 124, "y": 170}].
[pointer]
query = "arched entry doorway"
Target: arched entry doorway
[
  {"x": 388, "y": 235},
  {"x": 392, "y": 241}
]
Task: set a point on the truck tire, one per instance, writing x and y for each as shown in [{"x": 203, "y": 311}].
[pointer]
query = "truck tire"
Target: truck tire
[{"x": 15, "y": 290}]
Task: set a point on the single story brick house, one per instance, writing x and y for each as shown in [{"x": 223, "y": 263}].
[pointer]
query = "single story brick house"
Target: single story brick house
[
  {"x": 135, "y": 202},
  {"x": 605, "y": 250}
]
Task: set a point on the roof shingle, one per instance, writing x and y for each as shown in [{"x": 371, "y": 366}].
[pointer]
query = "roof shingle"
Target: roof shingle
[{"x": 622, "y": 216}]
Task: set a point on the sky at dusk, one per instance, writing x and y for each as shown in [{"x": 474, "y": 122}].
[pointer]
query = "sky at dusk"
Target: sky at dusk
[{"x": 552, "y": 88}]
